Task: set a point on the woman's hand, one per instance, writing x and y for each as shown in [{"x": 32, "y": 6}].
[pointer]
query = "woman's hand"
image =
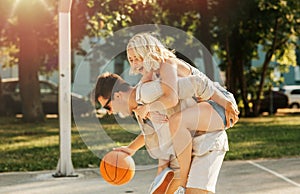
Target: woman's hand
[
  {"x": 142, "y": 111},
  {"x": 231, "y": 114},
  {"x": 156, "y": 117},
  {"x": 125, "y": 149}
]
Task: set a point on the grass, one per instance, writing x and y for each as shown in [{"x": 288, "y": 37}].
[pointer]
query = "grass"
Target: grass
[
  {"x": 265, "y": 137},
  {"x": 31, "y": 147}
]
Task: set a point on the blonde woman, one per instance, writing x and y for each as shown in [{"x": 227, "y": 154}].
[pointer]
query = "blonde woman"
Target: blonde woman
[{"x": 148, "y": 56}]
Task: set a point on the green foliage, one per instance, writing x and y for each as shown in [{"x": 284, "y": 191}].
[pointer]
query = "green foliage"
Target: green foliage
[
  {"x": 235, "y": 28},
  {"x": 243, "y": 27},
  {"x": 109, "y": 16},
  {"x": 8, "y": 50},
  {"x": 239, "y": 28},
  {"x": 8, "y": 55},
  {"x": 31, "y": 147}
]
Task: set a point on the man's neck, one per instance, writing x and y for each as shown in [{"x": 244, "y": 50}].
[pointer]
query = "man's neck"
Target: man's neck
[{"x": 132, "y": 99}]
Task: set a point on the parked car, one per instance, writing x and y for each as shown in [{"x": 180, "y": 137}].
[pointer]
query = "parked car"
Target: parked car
[
  {"x": 279, "y": 100},
  {"x": 293, "y": 93},
  {"x": 12, "y": 103}
]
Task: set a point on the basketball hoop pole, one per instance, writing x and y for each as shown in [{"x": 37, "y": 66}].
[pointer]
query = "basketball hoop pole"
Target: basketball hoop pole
[{"x": 64, "y": 166}]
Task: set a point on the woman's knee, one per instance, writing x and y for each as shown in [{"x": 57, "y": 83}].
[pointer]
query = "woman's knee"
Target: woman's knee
[
  {"x": 175, "y": 122},
  {"x": 205, "y": 106}
]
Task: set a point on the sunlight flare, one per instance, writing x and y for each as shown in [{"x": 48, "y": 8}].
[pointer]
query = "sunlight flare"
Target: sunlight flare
[
  {"x": 14, "y": 7},
  {"x": 17, "y": 2}
]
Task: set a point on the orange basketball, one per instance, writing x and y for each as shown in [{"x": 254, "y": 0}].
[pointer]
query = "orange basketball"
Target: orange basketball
[{"x": 117, "y": 167}]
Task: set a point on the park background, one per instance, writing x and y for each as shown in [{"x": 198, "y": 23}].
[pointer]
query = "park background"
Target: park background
[{"x": 255, "y": 44}]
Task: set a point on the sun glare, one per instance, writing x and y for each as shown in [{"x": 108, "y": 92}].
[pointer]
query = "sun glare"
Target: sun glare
[
  {"x": 44, "y": 3},
  {"x": 16, "y": 3},
  {"x": 14, "y": 7}
]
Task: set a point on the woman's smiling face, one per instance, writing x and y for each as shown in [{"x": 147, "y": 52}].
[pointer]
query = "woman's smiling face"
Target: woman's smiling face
[{"x": 136, "y": 62}]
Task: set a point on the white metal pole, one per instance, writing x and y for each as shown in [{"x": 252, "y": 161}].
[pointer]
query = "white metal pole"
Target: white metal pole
[{"x": 65, "y": 166}]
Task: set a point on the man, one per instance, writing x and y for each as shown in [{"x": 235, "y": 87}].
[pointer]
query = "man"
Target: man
[{"x": 117, "y": 96}]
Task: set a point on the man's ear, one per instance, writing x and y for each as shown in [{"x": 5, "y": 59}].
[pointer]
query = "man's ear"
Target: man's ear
[{"x": 117, "y": 95}]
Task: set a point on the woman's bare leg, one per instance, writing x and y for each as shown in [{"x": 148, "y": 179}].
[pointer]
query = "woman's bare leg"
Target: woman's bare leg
[
  {"x": 201, "y": 117},
  {"x": 182, "y": 143},
  {"x": 198, "y": 118}
]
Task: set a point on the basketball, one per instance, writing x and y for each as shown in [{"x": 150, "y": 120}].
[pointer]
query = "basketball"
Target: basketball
[{"x": 117, "y": 168}]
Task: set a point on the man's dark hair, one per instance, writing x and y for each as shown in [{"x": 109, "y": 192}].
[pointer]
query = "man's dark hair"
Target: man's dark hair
[{"x": 107, "y": 84}]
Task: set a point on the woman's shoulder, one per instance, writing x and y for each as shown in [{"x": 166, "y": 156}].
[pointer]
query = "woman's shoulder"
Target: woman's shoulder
[
  {"x": 170, "y": 61},
  {"x": 183, "y": 68}
]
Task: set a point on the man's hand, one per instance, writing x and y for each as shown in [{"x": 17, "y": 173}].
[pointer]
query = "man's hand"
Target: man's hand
[
  {"x": 125, "y": 149},
  {"x": 231, "y": 114}
]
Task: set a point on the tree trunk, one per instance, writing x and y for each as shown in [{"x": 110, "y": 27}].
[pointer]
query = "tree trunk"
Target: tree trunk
[
  {"x": 256, "y": 106},
  {"x": 239, "y": 77},
  {"x": 28, "y": 67},
  {"x": 266, "y": 63},
  {"x": 1, "y": 101},
  {"x": 206, "y": 39},
  {"x": 228, "y": 72},
  {"x": 0, "y": 86}
]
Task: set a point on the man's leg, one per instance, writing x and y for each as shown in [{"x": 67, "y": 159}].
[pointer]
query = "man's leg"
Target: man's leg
[
  {"x": 207, "y": 180},
  {"x": 173, "y": 186},
  {"x": 162, "y": 164},
  {"x": 176, "y": 183},
  {"x": 197, "y": 191},
  {"x": 162, "y": 181},
  {"x": 204, "y": 172}
]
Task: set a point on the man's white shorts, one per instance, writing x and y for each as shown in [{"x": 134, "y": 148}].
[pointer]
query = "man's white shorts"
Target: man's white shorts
[
  {"x": 205, "y": 170},
  {"x": 208, "y": 154}
]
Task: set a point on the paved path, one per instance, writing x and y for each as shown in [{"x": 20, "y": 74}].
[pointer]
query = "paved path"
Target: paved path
[{"x": 280, "y": 176}]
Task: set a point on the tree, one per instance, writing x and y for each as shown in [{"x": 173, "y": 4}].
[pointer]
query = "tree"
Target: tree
[
  {"x": 241, "y": 26},
  {"x": 278, "y": 35},
  {"x": 26, "y": 27},
  {"x": 30, "y": 31},
  {"x": 234, "y": 29},
  {"x": 110, "y": 16},
  {"x": 29, "y": 59},
  {"x": 193, "y": 17},
  {"x": 3, "y": 53},
  {"x": 106, "y": 17}
]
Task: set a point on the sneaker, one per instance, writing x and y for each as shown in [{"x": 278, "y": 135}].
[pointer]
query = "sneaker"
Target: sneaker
[
  {"x": 180, "y": 190},
  {"x": 162, "y": 181}
]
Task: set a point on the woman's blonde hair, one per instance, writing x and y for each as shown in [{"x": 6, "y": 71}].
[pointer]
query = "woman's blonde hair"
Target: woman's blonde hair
[{"x": 150, "y": 49}]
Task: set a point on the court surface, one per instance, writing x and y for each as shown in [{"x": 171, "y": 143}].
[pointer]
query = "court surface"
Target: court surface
[{"x": 276, "y": 176}]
